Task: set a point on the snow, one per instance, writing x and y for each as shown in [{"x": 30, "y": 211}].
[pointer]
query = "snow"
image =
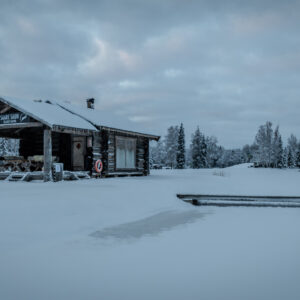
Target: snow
[
  {"x": 49, "y": 114},
  {"x": 71, "y": 115},
  {"x": 131, "y": 238},
  {"x": 103, "y": 118}
]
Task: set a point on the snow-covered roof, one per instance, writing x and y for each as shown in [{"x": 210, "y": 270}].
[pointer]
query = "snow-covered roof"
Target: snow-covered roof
[
  {"x": 48, "y": 113},
  {"x": 103, "y": 120},
  {"x": 65, "y": 114}
]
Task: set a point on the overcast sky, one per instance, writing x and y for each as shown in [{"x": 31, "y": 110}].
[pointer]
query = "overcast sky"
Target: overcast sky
[{"x": 227, "y": 66}]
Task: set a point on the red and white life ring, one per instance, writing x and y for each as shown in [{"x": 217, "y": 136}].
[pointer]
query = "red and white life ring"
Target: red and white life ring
[{"x": 99, "y": 166}]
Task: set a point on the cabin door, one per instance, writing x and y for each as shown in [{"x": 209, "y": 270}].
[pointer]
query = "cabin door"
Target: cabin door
[{"x": 78, "y": 152}]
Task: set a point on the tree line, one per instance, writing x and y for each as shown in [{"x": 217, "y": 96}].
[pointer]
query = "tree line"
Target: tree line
[
  {"x": 267, "y": 150},
  {"x": 203, "y": 152},
  {"x": 171, "y": 151}
]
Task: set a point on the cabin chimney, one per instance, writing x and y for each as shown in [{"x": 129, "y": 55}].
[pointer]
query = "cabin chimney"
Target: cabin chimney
[{"x": 90, "y": 103}]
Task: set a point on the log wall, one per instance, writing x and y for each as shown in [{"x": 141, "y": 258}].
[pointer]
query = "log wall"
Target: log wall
[{"x": 104, "y": 148}]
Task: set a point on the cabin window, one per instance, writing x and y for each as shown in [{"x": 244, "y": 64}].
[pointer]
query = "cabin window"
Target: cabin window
[{"x": 125, "y": 152}]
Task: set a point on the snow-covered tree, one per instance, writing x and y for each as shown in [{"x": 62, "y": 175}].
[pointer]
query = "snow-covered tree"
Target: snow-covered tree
[
  {"x": 158, "y": 154},
  {"x": 3, "y": 147},
  {"x": 9, "y": 147},
  {"x": 277, "y": 150},
  {"x": 180, "y": 157},
  {"x": 292, "y": 151},
  {"x": 298, "y": 157},
  {"x": 203, "y": 156},
  {"x": 171, "y": 141},
  {"x": 290, "y": 160},
  {"x": 230, "y": 157},
  {"x": 213, "y": 151},
  {"x": 285, "y": 157},
  {"x": 188, "y": 157},
  {"x": 204, "y": 152},
  {"x": 264, "y": 139},
  {"x": 247, "y": 153},
  {"x": 196, "y": 150}
]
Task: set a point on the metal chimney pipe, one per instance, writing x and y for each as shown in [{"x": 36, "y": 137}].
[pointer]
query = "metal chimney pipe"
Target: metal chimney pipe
[{"x": 90, "y": 103}]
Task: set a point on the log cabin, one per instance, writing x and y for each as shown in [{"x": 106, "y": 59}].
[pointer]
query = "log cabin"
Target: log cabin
[{"x": 74, "y": 136}]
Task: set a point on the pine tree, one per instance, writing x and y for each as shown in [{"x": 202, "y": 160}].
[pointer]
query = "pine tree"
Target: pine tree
[
  {"x": 279, "y": 161},
  {"x": 285, "y": 157},
  {"x": 298, "y": 156},
  {"x": 292, "y": 151},
  {"x": 290, "y": 160},
  {"x": 203, "y": 156},
  {"x": 180, "y": 157},
  {"x": 269, "y": 142},
  {"x": 196, "y": 149}
]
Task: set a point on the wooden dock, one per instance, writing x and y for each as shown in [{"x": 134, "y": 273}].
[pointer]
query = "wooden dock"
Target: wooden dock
[{"x": 241, "y": 200}]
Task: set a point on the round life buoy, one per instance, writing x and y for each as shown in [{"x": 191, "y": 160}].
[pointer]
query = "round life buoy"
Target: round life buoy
[{"x": 99, "y": 166}]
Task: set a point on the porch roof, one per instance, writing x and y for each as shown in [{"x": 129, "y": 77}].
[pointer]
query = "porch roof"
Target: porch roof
[{"x": 48, "y": 113}]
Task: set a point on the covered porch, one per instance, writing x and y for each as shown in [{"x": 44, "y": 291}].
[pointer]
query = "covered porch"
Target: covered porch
[{"x": 43, "y": 143}]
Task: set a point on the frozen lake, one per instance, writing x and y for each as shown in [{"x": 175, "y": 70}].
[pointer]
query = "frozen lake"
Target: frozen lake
[{"x": 105, "y": 240}]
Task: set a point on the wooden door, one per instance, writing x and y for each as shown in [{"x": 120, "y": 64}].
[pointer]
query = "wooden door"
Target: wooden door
[{"x": 78, "y": 152}]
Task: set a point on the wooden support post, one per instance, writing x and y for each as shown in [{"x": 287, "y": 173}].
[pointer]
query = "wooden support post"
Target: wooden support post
[
  {"x": 47, "y": 155},
  {"x": 147, "y": 157}
]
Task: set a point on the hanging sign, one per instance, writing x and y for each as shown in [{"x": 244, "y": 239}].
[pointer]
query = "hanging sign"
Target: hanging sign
[{"x": 15, "y": 118}]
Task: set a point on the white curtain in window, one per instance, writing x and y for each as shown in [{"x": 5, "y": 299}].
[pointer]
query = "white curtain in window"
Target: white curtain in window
[
  {"x": 130, "y": 159},
  {"x": 125, "y": 153},
  {"x": 121, "y": 158}
]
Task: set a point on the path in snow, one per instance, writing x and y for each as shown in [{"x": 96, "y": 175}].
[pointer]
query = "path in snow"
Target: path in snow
[{"x": 152, "y": 225}]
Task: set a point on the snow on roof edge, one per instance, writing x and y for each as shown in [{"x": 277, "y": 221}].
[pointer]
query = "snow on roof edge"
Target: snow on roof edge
[
  {"x": 54, "y": 116},
  {"x": 31, "y": 108},
  {"x": 8, "y": 102}
]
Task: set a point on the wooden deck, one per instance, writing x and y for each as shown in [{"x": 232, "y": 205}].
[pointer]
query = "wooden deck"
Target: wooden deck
[
  {"x": 241, "y": 200},
  {"x": 67, "y": 175}
]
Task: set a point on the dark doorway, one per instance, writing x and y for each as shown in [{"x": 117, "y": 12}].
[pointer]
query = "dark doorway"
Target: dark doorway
[{"x": 61, "y": 148}]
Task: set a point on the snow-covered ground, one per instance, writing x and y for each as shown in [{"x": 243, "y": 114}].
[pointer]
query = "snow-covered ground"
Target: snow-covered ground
[{"x": 131, "y": 238}]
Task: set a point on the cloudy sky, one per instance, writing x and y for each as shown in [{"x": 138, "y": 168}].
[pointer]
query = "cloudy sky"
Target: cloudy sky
[{"x": 227, "y": 66}]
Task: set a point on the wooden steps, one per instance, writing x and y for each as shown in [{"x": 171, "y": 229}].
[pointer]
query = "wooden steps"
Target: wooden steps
[{"x": 21, "y": 176}]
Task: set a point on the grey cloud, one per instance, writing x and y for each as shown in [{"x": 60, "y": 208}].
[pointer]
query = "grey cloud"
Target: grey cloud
[{"x": 227, "y": 66}]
